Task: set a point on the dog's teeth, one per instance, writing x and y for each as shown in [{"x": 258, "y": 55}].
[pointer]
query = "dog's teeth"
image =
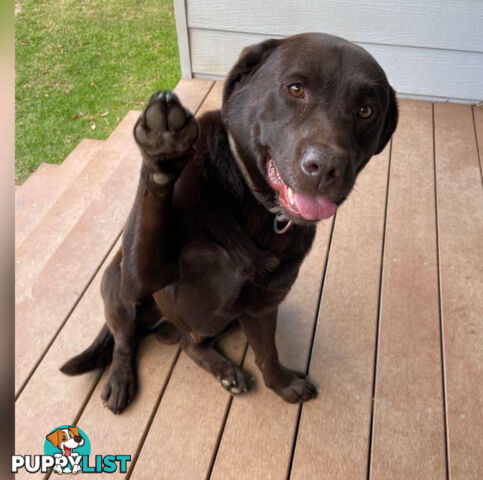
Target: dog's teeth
[{"x": 290, "y": 195}]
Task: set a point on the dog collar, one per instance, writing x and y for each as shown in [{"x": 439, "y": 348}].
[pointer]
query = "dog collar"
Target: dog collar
[
  {"x": 281, "y": 223},
  {"x": 279, "y": 227}
]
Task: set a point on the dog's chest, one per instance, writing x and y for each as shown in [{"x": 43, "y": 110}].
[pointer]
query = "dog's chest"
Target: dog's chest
[{"x": 213, "y": 287}]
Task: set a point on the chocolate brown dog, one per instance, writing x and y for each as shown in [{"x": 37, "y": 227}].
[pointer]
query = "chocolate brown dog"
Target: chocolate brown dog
[{"x": 226, "y": 207}]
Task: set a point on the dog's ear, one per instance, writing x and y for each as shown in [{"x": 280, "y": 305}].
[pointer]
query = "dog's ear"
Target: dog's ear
[
  {"x": 249, "y": 60},
  {"x": 54, "y": 438},
  {"x": 75, "y": 431},
  {"x": 390, "y": 122}
]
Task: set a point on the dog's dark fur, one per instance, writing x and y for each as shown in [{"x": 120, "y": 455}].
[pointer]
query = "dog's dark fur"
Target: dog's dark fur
[{"x": 199, "y": 249}]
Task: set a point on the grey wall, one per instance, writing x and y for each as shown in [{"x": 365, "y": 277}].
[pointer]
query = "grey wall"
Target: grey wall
[{"x": 429, "y": 49}]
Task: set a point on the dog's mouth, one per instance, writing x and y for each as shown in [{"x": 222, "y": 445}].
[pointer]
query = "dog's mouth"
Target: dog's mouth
[
  {"x": 67, "y": 451},
  {"x": 298, "y": 205}
]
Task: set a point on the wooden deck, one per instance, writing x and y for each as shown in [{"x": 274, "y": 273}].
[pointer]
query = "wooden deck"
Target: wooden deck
[{"x": 386, "y": 316}]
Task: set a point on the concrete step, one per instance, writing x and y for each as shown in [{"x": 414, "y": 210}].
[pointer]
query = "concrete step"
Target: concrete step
[
  {"x": 45, "y": 186},
  {"x": 34, "y": 186},
  {"x": 36, "y": 250},
  {"x": 61, "y": 282}
]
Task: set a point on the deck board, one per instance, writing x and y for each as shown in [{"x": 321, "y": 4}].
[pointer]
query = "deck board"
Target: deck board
[
  {"x": 183, "y": 425},
  {"x": 460, "y": 227},
  {"x": 408, "y": 437},
  {"x": 334, "y": 434}
]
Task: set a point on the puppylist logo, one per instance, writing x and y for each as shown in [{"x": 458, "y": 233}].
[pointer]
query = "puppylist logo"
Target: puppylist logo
[{"x": 67, "y": 450}]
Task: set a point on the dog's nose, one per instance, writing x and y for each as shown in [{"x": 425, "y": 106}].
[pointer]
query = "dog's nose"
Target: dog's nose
[
  {"x": 78, "y": 439},
  {"x": 321, "y": 166}
]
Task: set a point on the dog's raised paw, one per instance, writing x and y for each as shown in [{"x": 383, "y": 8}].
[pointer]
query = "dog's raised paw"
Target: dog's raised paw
[{"x": 165, "y": 128}]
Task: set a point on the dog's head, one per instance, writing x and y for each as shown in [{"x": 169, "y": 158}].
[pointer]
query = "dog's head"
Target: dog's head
[
  {"x": 69, "y": 437},
  {"x": 305, "y": 114}
]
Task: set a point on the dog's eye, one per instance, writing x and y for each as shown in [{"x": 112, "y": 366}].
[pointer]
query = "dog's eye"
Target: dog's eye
[
  {"x": 365, "y": 111},
  {"x": 297, "y": 90}
]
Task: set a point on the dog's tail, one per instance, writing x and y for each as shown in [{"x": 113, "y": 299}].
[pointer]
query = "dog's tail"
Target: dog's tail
[{"x": 98, "y": 355}]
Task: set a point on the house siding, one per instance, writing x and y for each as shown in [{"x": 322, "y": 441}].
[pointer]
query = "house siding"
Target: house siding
[{"x": 430, "y": 49}]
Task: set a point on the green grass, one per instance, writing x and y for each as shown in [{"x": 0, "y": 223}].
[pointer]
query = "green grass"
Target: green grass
[{"x": 81, "y": 65}]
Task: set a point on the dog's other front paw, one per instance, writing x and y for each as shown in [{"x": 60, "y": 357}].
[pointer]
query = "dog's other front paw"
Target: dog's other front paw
[
  {"x": 165, "y": 129},
  {"x": 292, "y": 386},
  {"x": 232, "y": 378},
  {"x": 119, "y": 390}
]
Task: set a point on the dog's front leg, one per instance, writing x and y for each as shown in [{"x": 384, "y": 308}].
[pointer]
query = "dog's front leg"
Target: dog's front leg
[
  {"x": 165, "y": 132},
  {"x": 148, "y": 258},
  {"x": 292, "y": 386}
]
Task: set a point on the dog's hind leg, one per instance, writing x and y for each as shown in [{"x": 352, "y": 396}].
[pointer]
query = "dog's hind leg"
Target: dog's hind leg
[
  {"x": 120, "y": 387},
  {"x": 99, "y": 354},
  {"x": 230, "y": 375},
  {"x": 128, "y": 320}
]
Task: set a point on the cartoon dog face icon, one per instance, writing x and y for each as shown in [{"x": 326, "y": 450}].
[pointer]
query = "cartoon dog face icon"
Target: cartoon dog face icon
[{"x": 66, "y": 439}]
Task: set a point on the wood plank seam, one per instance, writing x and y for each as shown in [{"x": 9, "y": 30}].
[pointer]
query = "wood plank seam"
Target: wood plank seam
[
  {"x": 476, "y": 139},
  {"x": 223, "y": 424},
  {"x": 378, "y": 328},
  {"x": 440, "y": 305},
  {"x": 82, "y": 292},
  {"x": 64, "y": 321},
  {"x": 314, "y": 330}
]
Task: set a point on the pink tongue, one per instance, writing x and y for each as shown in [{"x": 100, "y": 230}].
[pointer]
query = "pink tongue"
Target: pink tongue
[{"x": 314, "y": 207}]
